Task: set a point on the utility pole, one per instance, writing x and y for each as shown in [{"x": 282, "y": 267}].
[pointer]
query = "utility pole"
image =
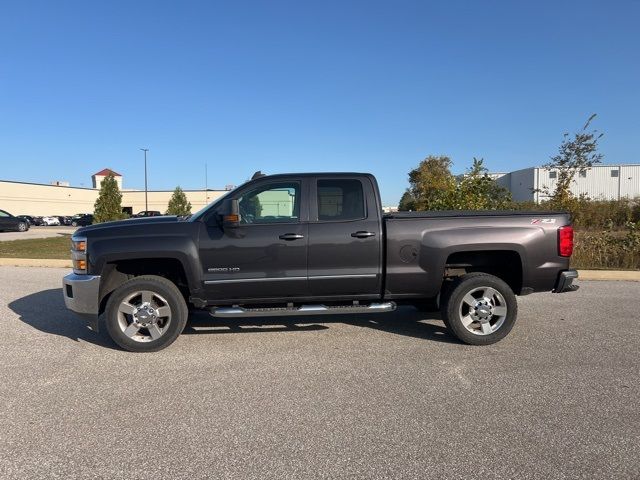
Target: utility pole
[
  {"x": 146, "y": 203},
  {"x": 206, "y": 186}
]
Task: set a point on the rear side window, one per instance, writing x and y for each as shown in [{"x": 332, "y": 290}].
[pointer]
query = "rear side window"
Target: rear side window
[{"x": 340, "y": 200}]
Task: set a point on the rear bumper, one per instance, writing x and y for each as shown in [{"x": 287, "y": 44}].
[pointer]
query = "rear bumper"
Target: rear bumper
[
  {"x": 565, "y": 281},
  {"x": 81, "y": 295}
]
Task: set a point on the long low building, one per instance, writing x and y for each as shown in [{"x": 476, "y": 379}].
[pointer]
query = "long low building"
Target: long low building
[
  {"x": 23, "y": 198},
  {"x": 600, "y": 182}
]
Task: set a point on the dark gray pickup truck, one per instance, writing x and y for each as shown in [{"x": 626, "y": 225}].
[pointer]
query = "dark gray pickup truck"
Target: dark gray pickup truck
[{"x": 309, "y": 244}]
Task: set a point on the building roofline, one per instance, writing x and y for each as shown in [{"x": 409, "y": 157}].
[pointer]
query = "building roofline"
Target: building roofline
[{"x": 97, "y": 189}]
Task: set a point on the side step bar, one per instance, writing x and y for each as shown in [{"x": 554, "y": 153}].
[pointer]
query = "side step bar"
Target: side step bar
[{"x": 233, "y": 312}]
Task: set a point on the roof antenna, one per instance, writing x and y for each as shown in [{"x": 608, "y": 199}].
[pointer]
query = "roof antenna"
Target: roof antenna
[{"x": 258, "y": 174}]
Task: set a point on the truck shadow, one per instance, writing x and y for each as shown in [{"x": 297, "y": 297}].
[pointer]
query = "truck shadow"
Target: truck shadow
[
  {"x": 405, "y": 321},
  {"x": 45, "y": 311}
]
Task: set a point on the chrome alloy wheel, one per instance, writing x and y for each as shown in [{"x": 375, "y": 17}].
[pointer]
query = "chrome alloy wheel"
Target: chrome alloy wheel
[
  {"x": 144, "y": 316},
  {"x": 483, "y": 310}
]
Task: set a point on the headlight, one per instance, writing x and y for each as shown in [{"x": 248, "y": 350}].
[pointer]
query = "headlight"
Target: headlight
[
  {"x": 79, "y": 254},
  {"x": 79, "y": 245}
]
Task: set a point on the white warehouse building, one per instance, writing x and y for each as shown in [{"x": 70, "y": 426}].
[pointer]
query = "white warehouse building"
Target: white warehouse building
[{"x": 600, "y": 182}]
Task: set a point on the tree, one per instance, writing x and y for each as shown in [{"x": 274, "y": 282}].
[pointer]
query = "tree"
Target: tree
[
  {"x": 478, "y": 191},
  {"x": 433, "y": 187},
  {"x": 407, "y": 202},
  {"x": 574, "y": 155},
  {"x": 431, "y": 183},
  {"x": 178, "y": 204},
  {"x": 108, "y": 206}
]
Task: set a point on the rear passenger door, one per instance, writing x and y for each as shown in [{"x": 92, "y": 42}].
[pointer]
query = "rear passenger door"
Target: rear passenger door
[{"x": 344, "y": 238}]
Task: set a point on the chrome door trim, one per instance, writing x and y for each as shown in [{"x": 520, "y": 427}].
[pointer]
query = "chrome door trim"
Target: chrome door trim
[{"x": 279, "y": 279}]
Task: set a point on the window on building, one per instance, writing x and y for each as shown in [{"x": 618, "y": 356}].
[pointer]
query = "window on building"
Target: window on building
[
  {"x": 615, "y": 173},
  {"x": 553, "y": 174},
  {"x": 340, "y": 200},
  {"x": 582, "y": 173}
]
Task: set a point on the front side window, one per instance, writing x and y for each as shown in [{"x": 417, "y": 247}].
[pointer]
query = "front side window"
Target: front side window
[
  {"x": 4, "y": 214},
  {"x": 340, "y": 200},
  {"x": 272, "y": 203}
]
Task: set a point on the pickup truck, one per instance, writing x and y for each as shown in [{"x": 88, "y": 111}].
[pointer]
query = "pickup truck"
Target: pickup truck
[{"x": 312, "y": 244}]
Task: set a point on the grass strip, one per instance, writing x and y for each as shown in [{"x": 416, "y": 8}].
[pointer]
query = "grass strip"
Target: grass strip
[{"x": 52, "y": 247}]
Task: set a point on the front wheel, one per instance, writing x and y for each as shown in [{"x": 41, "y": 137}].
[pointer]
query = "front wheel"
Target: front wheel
[
  {"x": 146, "y": 314},
  {"x": 22, "y": 227},
  {"x": 479, "y": 309}
]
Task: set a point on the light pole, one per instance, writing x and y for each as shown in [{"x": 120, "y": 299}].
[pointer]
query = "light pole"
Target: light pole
[{"x": 146, "y": 203}]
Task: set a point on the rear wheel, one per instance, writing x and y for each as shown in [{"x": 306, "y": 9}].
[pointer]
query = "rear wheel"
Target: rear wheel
[
  {"x": 146, "y": 314},
  {"x": 479, "y": 309}
]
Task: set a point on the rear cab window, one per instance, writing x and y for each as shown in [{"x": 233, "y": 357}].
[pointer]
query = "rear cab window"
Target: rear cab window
[{"x": 340, "y": 200}]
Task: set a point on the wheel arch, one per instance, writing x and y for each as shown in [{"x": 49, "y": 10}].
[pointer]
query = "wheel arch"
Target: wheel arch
[
  {"x": 117, "y": 272},
  {"x": 505, "y": 264}
]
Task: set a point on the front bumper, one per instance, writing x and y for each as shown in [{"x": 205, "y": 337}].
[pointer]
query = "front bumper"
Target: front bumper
[
  {"x": 81, "y": 295},
  {"x": 565, "y": 281}
]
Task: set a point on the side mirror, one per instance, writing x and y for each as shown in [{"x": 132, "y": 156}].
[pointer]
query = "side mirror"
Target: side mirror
[{"x": 231, "y": 218}]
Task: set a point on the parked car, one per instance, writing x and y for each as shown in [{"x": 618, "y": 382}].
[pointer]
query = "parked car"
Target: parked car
[
  {"x": 34, "y": 220},
  {"x": 9, "y": 222},
  {"x": 147, "y": 213},
  {"x": 82, "y": 220},
  {"x": 26, "y": 218},
  {"x": 311, "y": 244},
  {"x": 64, "y": 220},
  {"x": 51, "y": 221}
]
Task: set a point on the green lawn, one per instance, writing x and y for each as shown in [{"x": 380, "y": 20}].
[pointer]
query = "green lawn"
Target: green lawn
[{"x": 53, "y": 247}]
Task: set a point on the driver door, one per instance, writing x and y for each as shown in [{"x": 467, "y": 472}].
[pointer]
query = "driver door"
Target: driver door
[{"x": 265, "y": 256}]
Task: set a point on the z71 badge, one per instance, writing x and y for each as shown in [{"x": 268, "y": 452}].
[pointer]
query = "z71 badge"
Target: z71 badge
[{"x": 535, "y": 221}]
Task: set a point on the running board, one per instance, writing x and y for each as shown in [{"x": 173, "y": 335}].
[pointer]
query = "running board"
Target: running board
[{"x": 233, "y": 312}]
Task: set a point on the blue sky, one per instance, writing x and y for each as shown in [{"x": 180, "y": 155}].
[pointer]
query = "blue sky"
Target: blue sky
[{"x": 308, "y": 86}]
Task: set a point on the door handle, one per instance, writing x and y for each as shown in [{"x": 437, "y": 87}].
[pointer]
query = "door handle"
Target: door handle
[
  {"x": 363, "y": 234},
  {"x": 290, "y": 236}
]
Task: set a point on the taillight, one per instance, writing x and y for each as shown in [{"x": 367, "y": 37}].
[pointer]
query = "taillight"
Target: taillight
[{"x": 565, "y": 241}]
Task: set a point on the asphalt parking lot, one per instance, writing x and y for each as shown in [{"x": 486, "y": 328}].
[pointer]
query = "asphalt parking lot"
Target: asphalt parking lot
[
  {"x": 37, "y": 232},
  {"x": 385, "y": 396}
]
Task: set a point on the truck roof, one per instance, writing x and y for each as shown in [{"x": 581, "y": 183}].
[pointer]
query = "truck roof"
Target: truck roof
[{"x": 316, "y": 174}]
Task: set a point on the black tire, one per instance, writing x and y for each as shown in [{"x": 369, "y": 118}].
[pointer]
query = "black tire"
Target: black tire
[
  {"x": 22, "y": 227},
  {"x": 454, "y": 309},
  {"x": 165, "y": 290}
]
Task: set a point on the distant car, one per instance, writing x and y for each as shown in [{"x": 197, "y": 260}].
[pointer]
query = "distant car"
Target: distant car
[
  {"x": 82, "y": 221},
  {"x": 51, "y": 221},
  {"x": 26, "y": 218},
  {"x": 9, "y": 222},
  {"x": 37, "y": 221},
  {"x": 147, "y": 213},
  {"x": 64, "y": 220}
]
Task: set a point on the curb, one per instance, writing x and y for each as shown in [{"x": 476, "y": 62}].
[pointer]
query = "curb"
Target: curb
[{"x": 627, "y": 275}]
